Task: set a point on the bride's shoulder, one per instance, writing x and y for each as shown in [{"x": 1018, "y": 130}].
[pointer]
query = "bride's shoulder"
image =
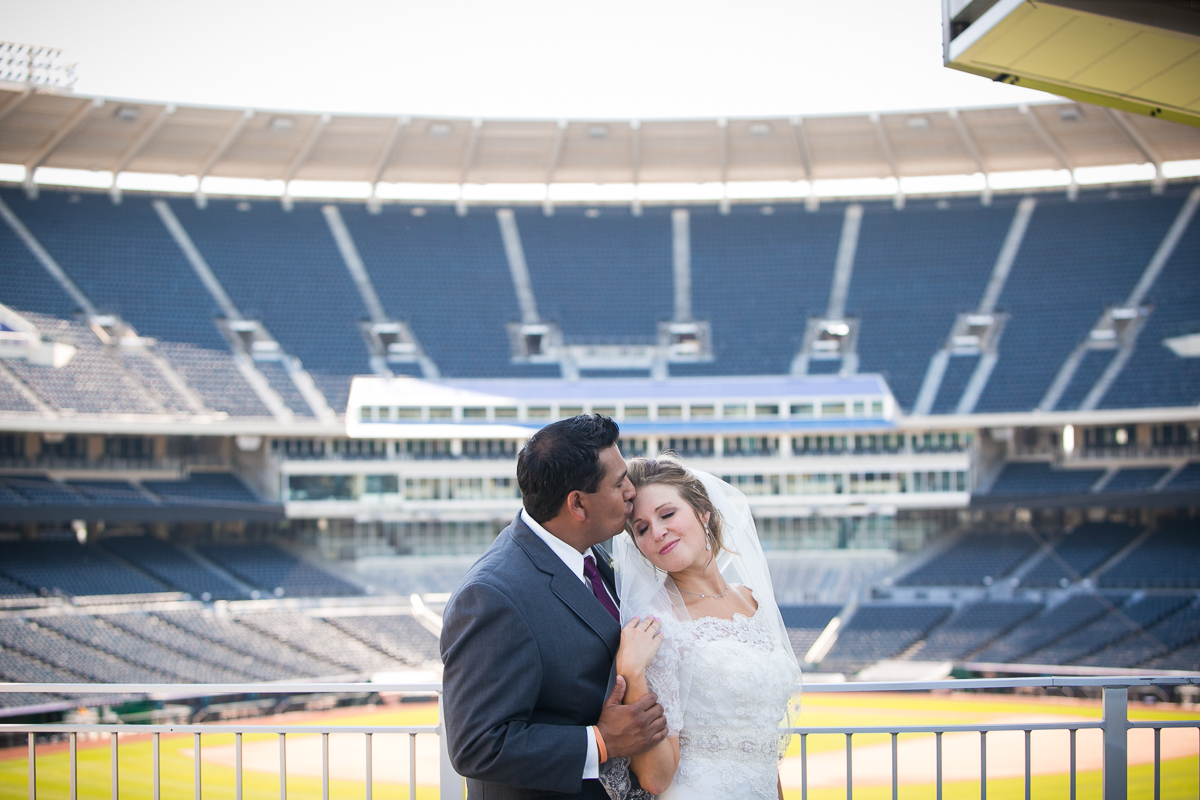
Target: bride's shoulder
[{"x": 746, "y": 595}]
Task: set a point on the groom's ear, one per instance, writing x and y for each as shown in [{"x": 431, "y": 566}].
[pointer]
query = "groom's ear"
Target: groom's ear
[{"x": 577, "y": 505}]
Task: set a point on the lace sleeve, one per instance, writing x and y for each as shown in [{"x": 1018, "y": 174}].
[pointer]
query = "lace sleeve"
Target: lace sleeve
[{"x": 663, "y": 677}]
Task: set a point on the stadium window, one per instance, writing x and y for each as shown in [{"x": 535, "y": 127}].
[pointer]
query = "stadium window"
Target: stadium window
[
  {"x": 503, "y": 489},
  {"x": 702, "y": 412},
  {"x": 632, "y": 448},
  {"x": 422, "y": 488},
  {"x": 766, "y": 411},
  {"x": 734, "y": 411},
  {"x": 637, "y": 412},
  {"x": 408, "y": 412},
  {"x": 902, "y": 482},
  {"x": 945, "y": 481},
  {"x": 960, "y": 481},
  {"x": 505, "y": 412},
  {"x": 538, "y": 412},
  {"x": 804, "y": 410},
  {"x": 475, "y": 412},
  {"x": 465, "y": 488},
  {"x": 565, "y": 412},
  {"x": 12, "y": 445},
  {"x": 321, "y": 487},
  {"x": 833, "y": 409},
  {"x": 384, "y": 414},
  {"x": 876, "y": 408},
  {"x": 854, "y": 481},
  {"x": 383, "y": 484},
  {"x": 605, "y": 411},
  {"x": 670, "y": 412},
  {"x": 364, "y": 414},
  {"x": 860, "y": 408},
  {"x": 441, "y": 412}
]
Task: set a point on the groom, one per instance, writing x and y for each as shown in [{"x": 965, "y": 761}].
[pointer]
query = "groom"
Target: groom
[{"x": 528, "y": 640}]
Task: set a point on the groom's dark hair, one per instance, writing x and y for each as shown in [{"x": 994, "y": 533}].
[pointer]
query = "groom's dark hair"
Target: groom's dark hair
[{"x": 561, "y": 458}]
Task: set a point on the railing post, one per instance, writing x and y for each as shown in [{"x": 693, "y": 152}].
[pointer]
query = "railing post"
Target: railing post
[
  {"x": 32, "y": 766},
  {"x": 450, "y": 784},
  {"x": 1115, "y": 769}
]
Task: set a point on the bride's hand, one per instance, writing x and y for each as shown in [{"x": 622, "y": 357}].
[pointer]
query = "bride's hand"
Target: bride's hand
[{"x": 640, "y": 639}]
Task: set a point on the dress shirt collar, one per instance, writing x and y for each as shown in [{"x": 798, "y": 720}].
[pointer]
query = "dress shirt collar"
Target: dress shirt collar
[{"x": 565, "y": 552}]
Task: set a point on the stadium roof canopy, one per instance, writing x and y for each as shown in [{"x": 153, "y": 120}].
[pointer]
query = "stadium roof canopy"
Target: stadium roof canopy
[{"x": 51, "y": 128}]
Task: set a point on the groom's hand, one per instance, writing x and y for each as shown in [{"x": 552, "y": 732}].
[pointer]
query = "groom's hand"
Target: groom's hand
[{"x": 632, "y": 729}]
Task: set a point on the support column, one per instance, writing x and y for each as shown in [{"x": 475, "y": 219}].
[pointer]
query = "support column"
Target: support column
[
  {"x": 1115, "y": 772},
  {"x": 95, "y": 448}
]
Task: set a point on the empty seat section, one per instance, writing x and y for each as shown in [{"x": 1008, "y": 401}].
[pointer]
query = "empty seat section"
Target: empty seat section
[
  {"x": 1096, "y": 246},
  {"x": 757, "y": 278},
  {"x": 805, "y": 624},
  {"x": 110, "y": 493},
  {"x": 194, "y": 646},
  {"x": 277, "y": 375},
  {"x": 243, "y": 639},
  {"x": 1034, "y": 634},
  {"x": 125, "y": 261},
  {"x": 11, "y": 398},
  {"x": 1169, "y": 559},
  {"x": 17, "y": 667},
  {"x": 449, "y": 278},
  {"x": 973, "y": 559},
  {"x": 1135, "y": 479},
  {"x": 322, "y": 640},
  {"x": 129, "y": 647},
  {"x": 10, "y": 588},
  {"x": 1126, "y": 622},
  {"x": 606, "y": 279},
  {"x": 71, "y": 568},
  {"x": 1035, "y": 477},
  {"x": 1186, "y": 658},
  {"x": 954, "y": 382},
  {"x": 972, "y": 627},
  {"x": 269, "y": 569},
  {"x": 1187, "y": 479},
  {"x": 201, "y": 488},
  {"x": 174, "y": 567},
  {"x": 89, "y": 663},
  {"x": 284, "y": 268},
  {"x": 904, "y": 320},
  {"x": 1090, "y": 368},
  {"x": 879, "y": 632},
  {"x": 41, "y": 491},
  {"x": 399, "y": 635},
  {"x": 1155, "y": 376},
  {"x": 1084, "y": 549},
  {"x": 1143, "y": 647},
  {"x": 144, "y": 368}
]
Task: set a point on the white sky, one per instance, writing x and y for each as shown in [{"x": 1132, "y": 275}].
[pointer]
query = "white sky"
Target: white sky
[{"x": 512, "y": 58}]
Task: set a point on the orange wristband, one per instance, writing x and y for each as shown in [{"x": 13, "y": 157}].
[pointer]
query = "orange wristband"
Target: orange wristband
[{"x": 600, "y": 744}]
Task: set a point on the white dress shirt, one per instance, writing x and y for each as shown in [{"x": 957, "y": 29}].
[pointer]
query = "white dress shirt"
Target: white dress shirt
[{"x": 574, "y": 561}]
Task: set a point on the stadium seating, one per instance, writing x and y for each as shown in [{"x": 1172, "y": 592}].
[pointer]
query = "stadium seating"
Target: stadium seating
[
  {"x": 1090, "y": 368},
  {"x": 1134, "y": 479},
  {"x": 1134, "y": 615},
  {"x": 243, "y": 639},
  {"x": 1035, "y": 477},
  {"x": 400, "y": 636},
  {"x": 971, "y": 627},
  {"x": 71, "y": 568},
  {"x": 89, "y": 663},
  {"x": 1055, "y": 623},
  {"x": 1169, "y": 559},
  {"x": 19, "y": 668},
  {"x": 1098, "y": 246},
  {"x": 954, "y": 382},
  {"x": 805, "y": 624},
  {"x": 757, "y": 278},
  {"x": 1175, "y": 631},
  {"x": 878, "y": 632},
  {"x": 970, "y": 561},
  {"x": 11, "y": 589},
  {"x": 124, "y": 261},
  {"x": 109, "y": 493},
  {"x": 905, "y": 321},
  {"x": 1187, "y": 479},
  {"x": 1083, "y": 550},
  {"x": 1186, "y": 658},
  {"x": 269, "y": 569},
  {"x": 172, "y": 566},
  {"x": 277, "y": 375},
  {"x": 192, "y": 645},
  {"x": 321, "y": 639},
  {"x": 448, "y": 277},
  {"x": 39, "y": 490},
  {"x": 203, "y": 487}
]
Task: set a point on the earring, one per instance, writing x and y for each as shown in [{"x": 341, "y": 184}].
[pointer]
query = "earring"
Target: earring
[{"x": 707, "y": 538}]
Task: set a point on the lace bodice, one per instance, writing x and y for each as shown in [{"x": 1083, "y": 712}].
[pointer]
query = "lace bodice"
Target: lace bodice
[{"x": 740, "y": 685}]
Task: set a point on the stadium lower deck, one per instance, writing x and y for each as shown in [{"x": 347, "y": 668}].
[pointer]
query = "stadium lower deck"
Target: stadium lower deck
[{"x": 1002, "y": 474}]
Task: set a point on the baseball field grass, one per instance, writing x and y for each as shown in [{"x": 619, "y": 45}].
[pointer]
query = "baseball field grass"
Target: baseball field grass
[{"x": 826, "y": 771}]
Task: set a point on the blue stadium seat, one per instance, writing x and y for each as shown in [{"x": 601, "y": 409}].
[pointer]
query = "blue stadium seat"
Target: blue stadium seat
[
  {"x": 1084, "y": 549},
  {"x": 879, "y": 632},
  {"x": 972, "y": 627},
  {"x": 972, "y": 560},
  {"x": 203, "y": 488},
  {"x": 269, "y": 569},
  {"x": 1135, "y": 479},
  {"x": 1169, "y": 559},
  {"x": 172, "y": 566},
  {"x": 71, "y": 568},
  {"x": 1037, "y": 477},
  {"x": 805, "y": 624}
]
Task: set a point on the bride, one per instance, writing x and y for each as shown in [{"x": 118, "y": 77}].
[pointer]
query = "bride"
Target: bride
[{"x": 702, "y": 630}]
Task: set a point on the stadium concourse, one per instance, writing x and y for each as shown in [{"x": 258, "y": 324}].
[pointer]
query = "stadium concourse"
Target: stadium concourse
[{"x": 251, "y": 439}]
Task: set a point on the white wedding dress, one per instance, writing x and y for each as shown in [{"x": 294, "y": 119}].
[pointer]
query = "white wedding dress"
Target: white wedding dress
[
  {"x": 725, "y": 685},
  {"x": 741, "y": 683}
]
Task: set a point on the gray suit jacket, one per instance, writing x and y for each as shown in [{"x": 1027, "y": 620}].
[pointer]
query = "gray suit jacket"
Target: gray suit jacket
[{"x": 528, "y": 653}]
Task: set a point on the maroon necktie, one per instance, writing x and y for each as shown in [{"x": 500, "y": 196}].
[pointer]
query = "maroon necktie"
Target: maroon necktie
[{"x": 592, "y": 574}]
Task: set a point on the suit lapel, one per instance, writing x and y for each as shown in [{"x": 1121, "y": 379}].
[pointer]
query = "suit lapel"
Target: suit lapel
[
  {"x": 603, "y": 562},
  {"x": 568, "y": 587}
]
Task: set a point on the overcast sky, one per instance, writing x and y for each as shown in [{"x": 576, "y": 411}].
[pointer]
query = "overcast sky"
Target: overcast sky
[{"x": 512, "y": 58}]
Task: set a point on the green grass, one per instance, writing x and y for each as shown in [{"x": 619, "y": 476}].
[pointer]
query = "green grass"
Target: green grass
[{"x": 1179, "y": 776}]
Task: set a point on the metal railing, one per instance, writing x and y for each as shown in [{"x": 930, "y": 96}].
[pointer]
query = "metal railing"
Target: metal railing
[{"x": 1114, "y": 726}]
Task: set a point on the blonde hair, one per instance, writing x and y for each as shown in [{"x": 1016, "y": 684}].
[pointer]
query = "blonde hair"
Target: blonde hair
[{"x": 665, "y": 471}]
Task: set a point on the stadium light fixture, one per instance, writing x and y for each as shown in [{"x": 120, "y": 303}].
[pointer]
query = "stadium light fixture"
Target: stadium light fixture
[{"x": 1068, "y": 439}]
